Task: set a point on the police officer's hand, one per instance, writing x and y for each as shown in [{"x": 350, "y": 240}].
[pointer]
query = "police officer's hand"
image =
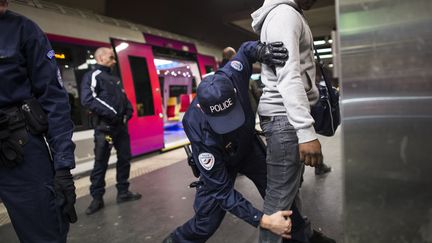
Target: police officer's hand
[
  {"x": 279, "y": 223},
  {"x": 310, "y": 153},
  {"x": 65, "y": 192},
  {"x": 272, "y": 54}
]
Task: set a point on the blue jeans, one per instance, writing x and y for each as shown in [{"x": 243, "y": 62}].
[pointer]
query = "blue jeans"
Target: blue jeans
[{"x": 284, "y": 173}]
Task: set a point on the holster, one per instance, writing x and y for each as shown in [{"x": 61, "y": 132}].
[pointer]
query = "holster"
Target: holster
[
  {"x": 13, "y": 135},
  {"x": 36, "y": 118}
]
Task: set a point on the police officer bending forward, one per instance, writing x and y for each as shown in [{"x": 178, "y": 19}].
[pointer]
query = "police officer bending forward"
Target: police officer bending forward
[
  {"x": 221, "y": 127},
  {"x": 37, "y": 190},
  {"x": 102, "y": 94}
]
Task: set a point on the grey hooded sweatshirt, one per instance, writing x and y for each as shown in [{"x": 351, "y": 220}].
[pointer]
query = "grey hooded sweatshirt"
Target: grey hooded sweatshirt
[{"x": 292, "y": 90}]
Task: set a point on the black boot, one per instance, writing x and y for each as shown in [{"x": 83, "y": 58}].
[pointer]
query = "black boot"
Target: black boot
[
  {"x": 322, "y": 169},
  {"x": 95, "y": 206},
  {"x": 128, "y": 196},
  {"x": 319, "y": 237}
]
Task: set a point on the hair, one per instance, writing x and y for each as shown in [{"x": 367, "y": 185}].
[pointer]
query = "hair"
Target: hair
[
  {"x": 228, "y": 53},
  {"x": 100, "y": 52}
]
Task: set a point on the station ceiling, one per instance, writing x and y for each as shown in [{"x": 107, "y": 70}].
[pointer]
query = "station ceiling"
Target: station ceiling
[{"x": 219, "y": 22}]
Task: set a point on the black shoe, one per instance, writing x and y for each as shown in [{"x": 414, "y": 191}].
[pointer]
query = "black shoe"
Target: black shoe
[
  {"x": 322, "y": 169},
  {"x": 95, "y": 206},
  {"x": 319, "y": 237},
  {"x": 128, "y": 196},
  {"x": 168, "y": 239}
]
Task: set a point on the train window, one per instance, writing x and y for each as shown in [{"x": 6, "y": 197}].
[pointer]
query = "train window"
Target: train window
[
  {"x": 209, "y": 69},
  {"x": 143, "y": 89},
  {"x": 177, "y": 90},
  {"x": 74, "y": 61}
]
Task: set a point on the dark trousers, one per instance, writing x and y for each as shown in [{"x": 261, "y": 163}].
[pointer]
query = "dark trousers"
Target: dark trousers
[
  {"x": 209, "y": 215},
  {"x": 27, "y": 191},
  {"x": 121, "y": 142}
]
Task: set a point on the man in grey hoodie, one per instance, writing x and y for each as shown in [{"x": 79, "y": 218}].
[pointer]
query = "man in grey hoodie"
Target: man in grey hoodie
[{"x": 284, "y": 110}]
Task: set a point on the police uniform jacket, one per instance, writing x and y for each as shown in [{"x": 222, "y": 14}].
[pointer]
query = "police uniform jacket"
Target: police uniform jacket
[
  {"x": 212, "y": 146},
  {"x": 102, "y": 93},
  {"x": 28, "y": 69}
]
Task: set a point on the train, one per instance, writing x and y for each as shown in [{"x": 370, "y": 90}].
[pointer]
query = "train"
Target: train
[{"x": 159, "y": 72}]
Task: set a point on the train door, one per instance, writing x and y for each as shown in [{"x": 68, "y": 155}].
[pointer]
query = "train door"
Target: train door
[
  {"x": 207, "y": 64},
  {"x": 178, "y": 75},
  {"x": 141, "y": 84}
]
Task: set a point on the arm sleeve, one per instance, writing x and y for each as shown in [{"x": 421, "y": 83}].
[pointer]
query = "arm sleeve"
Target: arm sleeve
[
  {"x": 48, "y": 89},
  {"x": 221, "y": 187},
  {"x": 90, "y": 99},
  {"x": 289, "y": 82},
  {"x": 240, "y": 66}
]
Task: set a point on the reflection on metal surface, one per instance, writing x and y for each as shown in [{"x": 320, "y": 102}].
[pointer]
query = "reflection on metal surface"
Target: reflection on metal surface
[{"x": 386, "y": 77}]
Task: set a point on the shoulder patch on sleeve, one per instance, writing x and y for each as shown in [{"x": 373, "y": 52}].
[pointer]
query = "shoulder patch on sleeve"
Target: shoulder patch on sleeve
[
  {"x": 237, "y": 65},
  {"x": 51, "y": 54},
  {"x": 206, "y": 160}
]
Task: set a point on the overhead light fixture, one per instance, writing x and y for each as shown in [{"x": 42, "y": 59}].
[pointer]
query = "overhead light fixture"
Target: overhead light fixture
[
  {"x": 121, "y": 47},
  {"x": 324, "y": 50},
  {"x": 319, "y": 42}
]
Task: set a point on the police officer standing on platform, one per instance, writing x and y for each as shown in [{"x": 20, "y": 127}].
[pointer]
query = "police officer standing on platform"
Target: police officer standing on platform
[
  {"x": 102, "y": 94},
  {"x": 36, "y": 185},
  {"x": 220, "y": 125}
]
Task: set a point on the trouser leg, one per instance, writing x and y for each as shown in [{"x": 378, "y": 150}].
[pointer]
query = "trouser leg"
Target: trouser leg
[
  {"x": 208, "y": 216},
  {"x": 27, "y": 191},
  {"x": 97, "y": 177},
  {"x": 284, "y": 170},
  {"x": 122, "y": 146}
]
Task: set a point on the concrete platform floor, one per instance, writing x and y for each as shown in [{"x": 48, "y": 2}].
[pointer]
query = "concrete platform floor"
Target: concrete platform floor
[{"x": 167, "y": 203}]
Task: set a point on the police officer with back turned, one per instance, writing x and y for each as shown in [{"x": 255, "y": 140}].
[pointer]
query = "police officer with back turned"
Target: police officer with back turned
[
  {"x": 220, "y": 124},
  {"x": 102, "y": 93},
  {"x": 36, "y": 185}
]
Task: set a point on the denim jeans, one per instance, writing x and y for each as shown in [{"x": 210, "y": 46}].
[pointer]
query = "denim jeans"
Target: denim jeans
[{"x": 284, "y": 173}]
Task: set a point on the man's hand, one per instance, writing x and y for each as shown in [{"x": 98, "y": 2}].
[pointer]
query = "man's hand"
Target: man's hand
[
  {"x": 272, "y": 54},
  {"x": 65, "y": 192},
  {"x": 279, "y": 223},
  {"x": 310, "y": 153}
]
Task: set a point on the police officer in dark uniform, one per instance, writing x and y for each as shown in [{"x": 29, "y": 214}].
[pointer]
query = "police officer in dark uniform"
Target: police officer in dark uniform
[
  {"x": 220, "y": 125},
  {"x": 102, "y": 94},
  {"x": 36, "y": 185}
]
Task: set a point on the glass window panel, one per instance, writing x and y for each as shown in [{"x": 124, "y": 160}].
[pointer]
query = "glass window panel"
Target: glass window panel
[{"x": 143, "y": 89}]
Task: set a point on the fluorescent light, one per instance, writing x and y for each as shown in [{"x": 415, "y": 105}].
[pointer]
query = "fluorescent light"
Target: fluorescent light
[
  {"x": 121, "y": 47},
  {"x": 324, "y": 50},
  {"x": 319, "y": 42},
  {"x": 330, "y": 65},
  {"x": 330, "y": 41}
]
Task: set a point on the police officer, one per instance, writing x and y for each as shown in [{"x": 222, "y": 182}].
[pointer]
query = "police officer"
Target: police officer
[
  {"x": 220, "y": 125},
  {"x": 101, "y": 92},
  {"x": 36, "y": 187}
]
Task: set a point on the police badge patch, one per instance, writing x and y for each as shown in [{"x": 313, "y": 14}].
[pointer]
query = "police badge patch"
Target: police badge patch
[
  {"x": 51, "y": 54},
  {"x": 237, "y": 65},
  {"x": 206, "y": 160}
]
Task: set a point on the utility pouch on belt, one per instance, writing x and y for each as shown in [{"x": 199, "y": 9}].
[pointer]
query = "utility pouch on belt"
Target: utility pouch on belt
[
  {"x": 13, "y": 135},
  {"x": 37, "y": 119}
]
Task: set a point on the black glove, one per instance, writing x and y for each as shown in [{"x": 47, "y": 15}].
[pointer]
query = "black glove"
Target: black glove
[
  {"x": 65, "y": 191},
  {"x": 272, "y": 54}
]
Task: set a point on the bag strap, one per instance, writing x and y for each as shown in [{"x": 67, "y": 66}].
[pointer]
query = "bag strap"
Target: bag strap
[{"x": 327, "y": 82}]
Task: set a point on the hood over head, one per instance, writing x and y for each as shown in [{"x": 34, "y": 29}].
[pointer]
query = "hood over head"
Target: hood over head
[{"x": 261, "y": 14}]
